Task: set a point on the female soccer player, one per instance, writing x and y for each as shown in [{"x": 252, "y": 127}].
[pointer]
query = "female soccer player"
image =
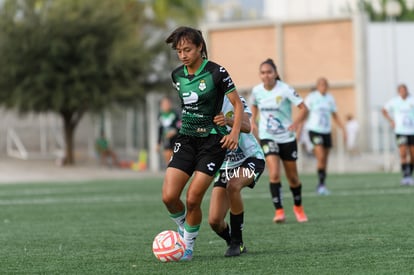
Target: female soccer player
[
  {"x": 276, "y": 131},
  {"x": 399, "y": 111},
  {"x": 241, "y": 167},
  {"x": 169, "y": 124},
  {"x": 321, "y": 105},
  {"x": 201, "y": 145}
]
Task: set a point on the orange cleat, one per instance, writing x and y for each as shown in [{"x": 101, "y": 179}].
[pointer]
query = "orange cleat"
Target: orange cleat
[
  {"x": 279, "y": 216},
  {"x": 300, "y": 213}
]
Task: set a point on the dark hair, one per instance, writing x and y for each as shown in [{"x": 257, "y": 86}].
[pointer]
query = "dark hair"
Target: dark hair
[
  {"x": 193, "y": 35},
  {"x": 270, "y": 62}
]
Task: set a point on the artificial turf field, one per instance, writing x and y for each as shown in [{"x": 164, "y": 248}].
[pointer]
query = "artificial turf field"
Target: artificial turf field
[{"x": 106, "y": 227}]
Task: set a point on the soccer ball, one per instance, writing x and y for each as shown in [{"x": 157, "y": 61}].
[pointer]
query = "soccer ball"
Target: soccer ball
[{"x": 168, "y": 246}]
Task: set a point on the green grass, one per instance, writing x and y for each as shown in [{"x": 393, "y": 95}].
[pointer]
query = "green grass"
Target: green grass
[{"x": 106, "y": 227}]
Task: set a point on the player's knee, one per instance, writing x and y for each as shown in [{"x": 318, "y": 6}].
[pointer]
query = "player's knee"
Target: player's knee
[
  {"x": 293, "y": 181},
  {"x": 169, "y": 200},
  {"x": 193, "y": 203},
  {"x": 234, "y": 187},
  {"x": 214, "y": 223}
]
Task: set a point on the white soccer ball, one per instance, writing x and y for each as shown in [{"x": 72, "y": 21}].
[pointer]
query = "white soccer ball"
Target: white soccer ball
[{"x": 168, "y": 246}]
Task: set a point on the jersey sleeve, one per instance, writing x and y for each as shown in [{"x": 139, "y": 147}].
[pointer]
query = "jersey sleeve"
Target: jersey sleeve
[
  {"x": 294, "y": 97},
  {"x": 226, "y": 84},
  {"x": 252, "y": 98},
  {"x": 334, "y": 108},
  {"x": 245, "y": 106},
  {"x": 308, "y": 101}
]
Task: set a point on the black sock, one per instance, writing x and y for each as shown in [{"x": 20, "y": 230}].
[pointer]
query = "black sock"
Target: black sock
[
  {"x": 405, "y": 168},
  {"x": 276, "y": 192},
  {"x": 236, "y": 223},
  {"x": 225, "y": 234},
  {"x": 411, "y": 168},
  {"x": 297, "y": 195},
  {"x": 321, "y": 176}
]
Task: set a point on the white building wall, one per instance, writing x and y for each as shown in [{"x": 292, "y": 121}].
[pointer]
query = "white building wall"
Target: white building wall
[
  {"x": 390, "y": 60},
  {"x": 305, "y": 9}
]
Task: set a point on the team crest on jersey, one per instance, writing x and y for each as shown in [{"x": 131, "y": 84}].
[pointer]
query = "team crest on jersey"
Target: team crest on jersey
[
  {"x": 278, "y": 99},
  {"x": 202, "y": 86},
  {"x": 229, "y": 114}
]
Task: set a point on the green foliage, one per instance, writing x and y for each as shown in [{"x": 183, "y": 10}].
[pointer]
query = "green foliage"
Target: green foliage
[
  {"x": 177, "y": 11},
  {"x": 406, "y": 13},
  {"x": 107, "y": 227},
  {"x": 69, "y": 55}
]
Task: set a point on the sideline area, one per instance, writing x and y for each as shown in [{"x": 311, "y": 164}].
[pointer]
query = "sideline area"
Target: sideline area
[{"x": 24, "y": 171}]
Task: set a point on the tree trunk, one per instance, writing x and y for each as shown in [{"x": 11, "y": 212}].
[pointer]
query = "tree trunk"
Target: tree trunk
[
  {"x": 70, "y": 122},
  {"x": 69, "y": 148}
]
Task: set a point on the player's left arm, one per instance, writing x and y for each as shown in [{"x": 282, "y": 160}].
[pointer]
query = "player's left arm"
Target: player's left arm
[
  {"x": 300, "y": 118},
  {"x": 221, "y": 120},
  {"x": 231, "y": 140}
]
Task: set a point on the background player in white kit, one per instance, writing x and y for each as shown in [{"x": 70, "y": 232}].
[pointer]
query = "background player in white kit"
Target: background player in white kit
[
  {"x": 322, "y": 107},
  {"x": 399, "y": 111},
  {"x": 273, "y": 100}
]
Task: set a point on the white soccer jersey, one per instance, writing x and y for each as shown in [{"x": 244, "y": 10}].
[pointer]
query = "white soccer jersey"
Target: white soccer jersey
[
  {"x": 275, "y": 109},
  {"x": 320, "y": 108},
  {"x": 248, "y": 145},
  {"x": 402, "y": 111}
]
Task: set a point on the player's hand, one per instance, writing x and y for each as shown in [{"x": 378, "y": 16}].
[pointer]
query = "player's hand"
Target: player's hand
[
  {"x": 293, "y": 127},
  {"x": 220, "y": 119},
  {"x": 230, "y": 141}
]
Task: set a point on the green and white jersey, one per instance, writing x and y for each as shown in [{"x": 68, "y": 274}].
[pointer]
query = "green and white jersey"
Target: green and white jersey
[
  {"x": 402, "y": 111},
  {"x": 202, "y": 97},
  {"x": 320, "y": 108},
  {"x": 248, "y": 145},
  {"x": 275, "y": 109}
]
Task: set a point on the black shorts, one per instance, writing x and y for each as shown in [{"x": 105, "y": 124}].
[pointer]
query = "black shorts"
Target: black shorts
[
  {"x": 286, "y": 151},
  {"x": 202, "y": 154},
  {"x": 405, "y": 140},
  {"x": 320, "y": 139},
  {"x": 251, "y": 167}
]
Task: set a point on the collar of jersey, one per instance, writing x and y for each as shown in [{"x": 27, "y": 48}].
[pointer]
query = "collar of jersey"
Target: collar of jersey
[{"x": 199, "y": 69}]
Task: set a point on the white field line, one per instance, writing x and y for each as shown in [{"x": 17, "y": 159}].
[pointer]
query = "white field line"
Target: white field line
[
  {"x": 250, "y": 194},
  {"x": 78, "y": 200}
]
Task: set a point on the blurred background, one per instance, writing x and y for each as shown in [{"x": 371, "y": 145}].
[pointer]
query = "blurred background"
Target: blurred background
[{"x": 71, "y": 69}]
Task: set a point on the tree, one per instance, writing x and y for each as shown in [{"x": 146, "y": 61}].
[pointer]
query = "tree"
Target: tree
[
  {"x": 71, "y": 57},
  {"x": 163, "y": 16},
  {"x": 378, "y": 13}
]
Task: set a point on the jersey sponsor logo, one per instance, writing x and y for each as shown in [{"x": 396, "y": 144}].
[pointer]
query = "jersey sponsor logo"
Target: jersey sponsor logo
[
  {"x": 211, "y": 166},
  {"x": 190, "y": 97},
  {"x": 229, "y": 81},
  {"x": 202, "y": 86},
  {"x": 201, "y": 130}
]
